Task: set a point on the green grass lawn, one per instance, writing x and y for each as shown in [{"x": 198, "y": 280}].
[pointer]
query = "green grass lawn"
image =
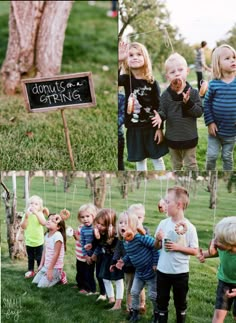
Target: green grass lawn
[
  {"x": 24, "y": 302},
  {"x": 90, "y": 43}
]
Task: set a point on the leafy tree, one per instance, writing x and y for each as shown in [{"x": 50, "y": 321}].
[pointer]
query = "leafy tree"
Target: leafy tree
[
  {"x": 231, "y": 40},
  {"x": 150, "y": 21}
]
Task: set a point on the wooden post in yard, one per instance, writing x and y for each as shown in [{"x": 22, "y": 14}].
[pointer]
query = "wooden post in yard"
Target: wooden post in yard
[{"x": 68, "y": 140}]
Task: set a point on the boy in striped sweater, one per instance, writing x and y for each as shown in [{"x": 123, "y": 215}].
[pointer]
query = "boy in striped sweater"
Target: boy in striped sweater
[
  {"x": 220, "y": 108},
  {"x": 84, "y": 238},
  {"x": 180, "y": 106},
  {"x": 141, "y": 253}
]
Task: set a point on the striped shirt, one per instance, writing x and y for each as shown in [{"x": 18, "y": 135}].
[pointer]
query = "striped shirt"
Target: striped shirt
[
  {"x": 181, "y": 119},
  {"x": 49, "y": 250},
  {"x": 78, "y": 247},
  {"x": 86, "y": 236},
  {"x": 220, "y": 107},
  {"x": 141, "y": 253}
]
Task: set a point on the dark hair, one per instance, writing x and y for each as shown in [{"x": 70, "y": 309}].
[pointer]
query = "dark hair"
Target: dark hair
[
  {"x": 109, "y": 218},
  {"x": 203, "y": 43},
  {"x": 62, "y": 228}
]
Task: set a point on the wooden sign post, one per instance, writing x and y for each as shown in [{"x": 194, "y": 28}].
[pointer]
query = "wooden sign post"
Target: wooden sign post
[{"x": 71, "y": 91}]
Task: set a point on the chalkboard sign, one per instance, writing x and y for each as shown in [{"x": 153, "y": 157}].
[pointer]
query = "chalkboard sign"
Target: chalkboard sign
[{"x": 59, "y": 92}]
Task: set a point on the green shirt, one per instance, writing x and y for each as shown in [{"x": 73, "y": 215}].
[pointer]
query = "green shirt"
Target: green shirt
[
  {"x": 227, "y": 267},
  {"x": 34, "y": 233}
]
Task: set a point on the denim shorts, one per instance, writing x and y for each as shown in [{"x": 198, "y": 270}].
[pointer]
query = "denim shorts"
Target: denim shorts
[{"x": 222, "y": 301}]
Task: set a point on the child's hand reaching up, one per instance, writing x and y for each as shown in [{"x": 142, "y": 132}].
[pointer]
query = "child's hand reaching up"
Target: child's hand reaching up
[
  {"x": 123, "y": 51},
  {"x": 186, "y": 96}
]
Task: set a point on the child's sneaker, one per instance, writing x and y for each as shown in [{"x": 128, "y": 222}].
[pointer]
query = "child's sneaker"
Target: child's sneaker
[
  {"x": 29, "y": 274},
  {"x": 83, "y": 292},
  {"x": 91, "y": 293},
  {"x": 101, "y": 298}
]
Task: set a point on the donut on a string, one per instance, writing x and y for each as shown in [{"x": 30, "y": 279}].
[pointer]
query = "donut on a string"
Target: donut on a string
[{"x": 181, "y": 228}]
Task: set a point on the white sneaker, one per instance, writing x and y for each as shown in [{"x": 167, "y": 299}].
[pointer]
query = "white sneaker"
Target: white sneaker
[{"x": 101, "y": 298}]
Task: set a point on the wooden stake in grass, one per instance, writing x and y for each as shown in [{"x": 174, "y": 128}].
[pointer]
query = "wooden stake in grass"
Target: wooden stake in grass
[{"x": 68, "y": 140}]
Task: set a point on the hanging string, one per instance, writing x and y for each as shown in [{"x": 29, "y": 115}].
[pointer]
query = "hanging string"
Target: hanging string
[
  {"x": 127, "y": 199},
  {"x": 44, "y": 190},
  {"x": 215, "y": 184},
  {"x": 72, "y": 205},
  {"x": 145, "y": 191},
  {"x": 167, "y": 40},
  {"x": 66, "y": 183},
  {"x": 161, "y": 188},
  {"x": 56, "y": 199},
  {"x": 109, "y": 194}
]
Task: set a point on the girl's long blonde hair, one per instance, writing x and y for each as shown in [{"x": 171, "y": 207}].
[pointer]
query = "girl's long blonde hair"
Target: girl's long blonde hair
[
  {"x": 216, "y": 69},
  {"x": 132, "y": 222},
  {"x": 147, "y": 67}
]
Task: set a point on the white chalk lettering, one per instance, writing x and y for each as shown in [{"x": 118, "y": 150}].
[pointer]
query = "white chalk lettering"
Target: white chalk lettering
[{"x": 60, "y": 97}]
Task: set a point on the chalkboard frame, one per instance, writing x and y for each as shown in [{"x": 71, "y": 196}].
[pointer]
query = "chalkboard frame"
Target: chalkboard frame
[{"x": 29, "y": 108}]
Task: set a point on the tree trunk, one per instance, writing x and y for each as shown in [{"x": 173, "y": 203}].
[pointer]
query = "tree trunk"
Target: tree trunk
[
  {"x": 36, "y": 37},
  {"x": 98, "y": 191},
  {"x": 212, "y": 189},
  {"x": 15, "y": 235}
]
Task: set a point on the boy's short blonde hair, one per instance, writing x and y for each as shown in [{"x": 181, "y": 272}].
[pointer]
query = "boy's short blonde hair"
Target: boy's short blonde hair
[
  {"x": 137, "y": 207},
  {"x": 225, "y": 231},
  {"x": 175, "y": 57},
  {"x": 90, "y": 208},
  {"x": 216, "y": 69},
  {"x": 181, "y": 194}
]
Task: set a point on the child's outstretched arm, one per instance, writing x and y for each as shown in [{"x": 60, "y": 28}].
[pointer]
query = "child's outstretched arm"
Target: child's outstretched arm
[
  {"x": 172, "y": 246},
  {"x": 202, "y": 255},
  {"x": 57, "y": 249}
]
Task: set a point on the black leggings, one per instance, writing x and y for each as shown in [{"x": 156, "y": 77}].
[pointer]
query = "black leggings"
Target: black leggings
[{"x": 34, "y": 253}]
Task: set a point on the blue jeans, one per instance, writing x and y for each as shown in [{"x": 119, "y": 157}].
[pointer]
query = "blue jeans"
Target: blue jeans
[
  {"x": 227, "y": 147},
  {"x": 138, "y": 285}
]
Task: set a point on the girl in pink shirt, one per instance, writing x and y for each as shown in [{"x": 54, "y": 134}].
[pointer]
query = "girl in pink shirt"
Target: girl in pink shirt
[{"x": 50, "y": 269}]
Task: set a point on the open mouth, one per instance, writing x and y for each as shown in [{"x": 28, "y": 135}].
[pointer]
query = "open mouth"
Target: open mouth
[{"x": 123, "y": 230}]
